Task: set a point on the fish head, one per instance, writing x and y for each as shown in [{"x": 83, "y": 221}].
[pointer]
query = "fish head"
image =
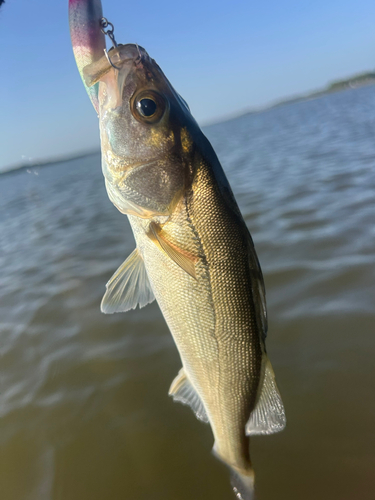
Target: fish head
[{"x": 146, "y": 132}]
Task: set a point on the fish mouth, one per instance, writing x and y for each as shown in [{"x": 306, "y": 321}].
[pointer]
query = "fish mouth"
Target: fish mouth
[{"x": 119, "y": 57}]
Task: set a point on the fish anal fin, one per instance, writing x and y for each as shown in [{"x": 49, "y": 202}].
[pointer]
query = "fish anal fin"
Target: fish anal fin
[
  {"x": 183, "y": 259},
  {"x": 128, "y": 287},
  {"x": 268, "y": 415},
  {"x": 181, "y": 390}
]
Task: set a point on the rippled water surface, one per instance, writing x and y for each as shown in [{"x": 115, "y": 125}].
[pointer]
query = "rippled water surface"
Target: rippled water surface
[{"x": 84, "y": 411}]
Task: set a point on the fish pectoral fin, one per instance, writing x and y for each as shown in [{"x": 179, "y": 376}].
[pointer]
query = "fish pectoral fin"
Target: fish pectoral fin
[
  {"x": 128, "y": 287},
  {"x": 181, "y": 390},
  {"x": 183, "y": 259},
  {"x": 268, "y": 415}
]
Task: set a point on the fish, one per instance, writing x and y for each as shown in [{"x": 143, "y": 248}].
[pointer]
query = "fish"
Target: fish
[{"x": 194, "y": 253}]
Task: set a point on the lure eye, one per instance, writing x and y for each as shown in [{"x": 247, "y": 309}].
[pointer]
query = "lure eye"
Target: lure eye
[{"x": 148, "y": 107}]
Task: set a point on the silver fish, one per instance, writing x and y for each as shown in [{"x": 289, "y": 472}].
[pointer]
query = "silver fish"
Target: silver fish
[{"x": 194, "y": 253}]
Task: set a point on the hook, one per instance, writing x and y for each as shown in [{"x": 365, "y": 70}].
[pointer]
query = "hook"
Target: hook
[{"x": 104, "y": 23}]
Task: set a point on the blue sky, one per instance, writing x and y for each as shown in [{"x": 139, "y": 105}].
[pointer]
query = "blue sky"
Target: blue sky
[{"x": 222, "y": 57}]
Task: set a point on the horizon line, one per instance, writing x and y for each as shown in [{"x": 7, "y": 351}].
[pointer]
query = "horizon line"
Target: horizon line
[{"x": 274, "y": 104}]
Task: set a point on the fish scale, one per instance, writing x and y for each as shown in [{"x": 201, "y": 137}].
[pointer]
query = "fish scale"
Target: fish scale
[
  {"x": 224, "y": 239},
  {"x": 212, "y": 318}
]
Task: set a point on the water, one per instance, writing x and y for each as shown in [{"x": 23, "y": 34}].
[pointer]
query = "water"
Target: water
[{"x": 84, "y": 408}]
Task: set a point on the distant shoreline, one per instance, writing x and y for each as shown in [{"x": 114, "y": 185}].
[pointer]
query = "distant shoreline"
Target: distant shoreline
[
  {"x": 45, "y": 162},
  {"x": 356, "y": 81}
]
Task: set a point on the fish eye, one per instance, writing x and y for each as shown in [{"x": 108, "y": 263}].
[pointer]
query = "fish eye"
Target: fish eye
[{"x": 148, "y": 106}]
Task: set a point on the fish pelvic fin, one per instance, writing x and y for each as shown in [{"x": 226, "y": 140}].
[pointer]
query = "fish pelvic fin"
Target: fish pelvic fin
[
  {"x": 128, "y": 287},
  {"x": 268, "y": 415},
  {"x": 243, "y": 484},
  {"x": 181, "y": 390}
]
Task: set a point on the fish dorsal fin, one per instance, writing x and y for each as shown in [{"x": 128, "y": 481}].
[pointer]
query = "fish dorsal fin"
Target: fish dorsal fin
[
  {"x": 128, "y": 287},
  {"x": 183, "y": 259},
  {"x": 182, "y": 391},
  {"x": 268, "y": 415}
]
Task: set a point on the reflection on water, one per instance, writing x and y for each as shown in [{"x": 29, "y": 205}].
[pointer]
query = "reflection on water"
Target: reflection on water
[{"x": 84, "y": 408}]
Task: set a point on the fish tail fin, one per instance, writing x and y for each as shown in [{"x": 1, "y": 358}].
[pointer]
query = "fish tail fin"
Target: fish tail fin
[
  {"x": 243, "y": 484},
  {"x": 241, "y": 479}
]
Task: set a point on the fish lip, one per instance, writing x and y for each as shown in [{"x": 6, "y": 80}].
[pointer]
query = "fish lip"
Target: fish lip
[
  {"x": 117, "y": 57},
  {"x": 124, "y": 52}
]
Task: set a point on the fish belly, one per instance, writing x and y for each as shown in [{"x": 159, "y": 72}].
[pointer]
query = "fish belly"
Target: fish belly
[{"x": 186, "y": 304}]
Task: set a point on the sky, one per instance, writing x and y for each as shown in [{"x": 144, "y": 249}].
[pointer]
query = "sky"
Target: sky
[{"x": 223, "y": 57}]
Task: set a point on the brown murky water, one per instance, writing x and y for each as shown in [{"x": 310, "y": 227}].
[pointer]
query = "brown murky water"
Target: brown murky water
[{"x": 83, "y": 401}]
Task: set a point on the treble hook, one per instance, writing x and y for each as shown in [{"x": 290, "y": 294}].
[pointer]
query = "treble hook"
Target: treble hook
[
  {"x": 139, "y": 58},
  {"x": 104, "y": 23}
]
